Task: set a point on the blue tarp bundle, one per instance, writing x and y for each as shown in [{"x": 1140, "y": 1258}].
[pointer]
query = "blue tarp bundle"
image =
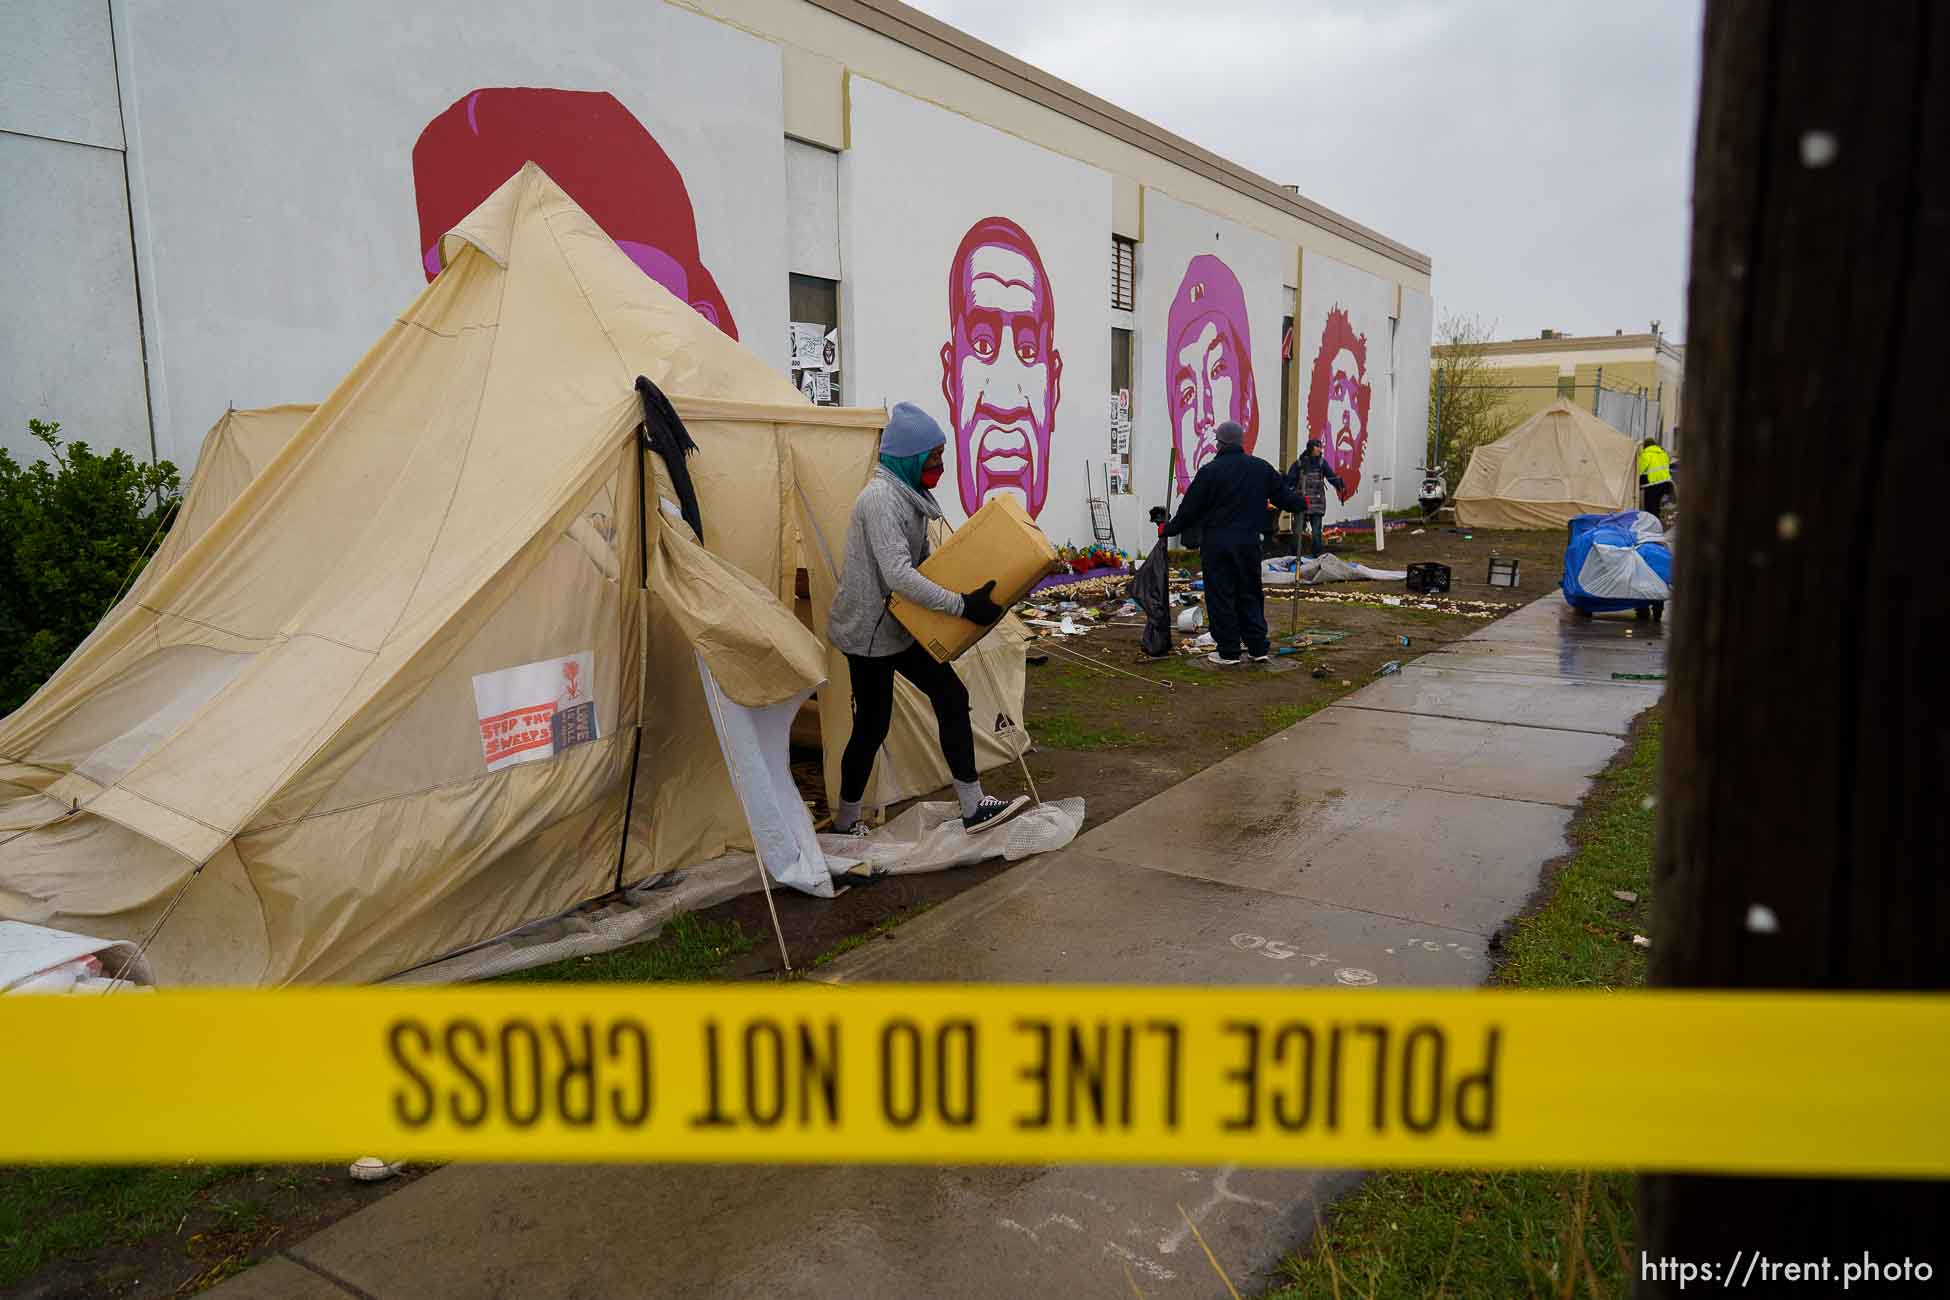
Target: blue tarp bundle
[{"x": 1616, "y": 562}]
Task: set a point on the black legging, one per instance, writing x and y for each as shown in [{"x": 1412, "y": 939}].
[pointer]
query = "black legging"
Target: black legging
[{"x": 873, "y": 713}]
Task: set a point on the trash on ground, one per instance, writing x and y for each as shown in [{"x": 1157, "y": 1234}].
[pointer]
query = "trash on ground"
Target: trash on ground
[
  {"x": 1388, "y": 669},
  {"x": 1624, "y": 895},
  {"x": 371, "y": 1169},
  {"x": 1640, "y": 941}
]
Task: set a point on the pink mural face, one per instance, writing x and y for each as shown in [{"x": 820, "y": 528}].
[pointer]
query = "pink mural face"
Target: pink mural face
[
  {"x": 1208, "y": 363},
  {"x": 1338, "y": 397},
  {"x": 1000, "y": 370},
  {"x": 592, "y": 147}
]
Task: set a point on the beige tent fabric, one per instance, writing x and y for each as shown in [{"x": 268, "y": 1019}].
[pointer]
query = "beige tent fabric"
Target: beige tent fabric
[
  {"x": 290, "y": 704},
  {"x": 1561, "y": 462},
  {"x": 236, "y": 450}
]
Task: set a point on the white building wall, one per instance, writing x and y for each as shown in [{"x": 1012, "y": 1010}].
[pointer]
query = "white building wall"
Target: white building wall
[
  {"x": 60, "y": 72},
  {"x": 271, "y": 207},
  {"x": 273, "y": 173},
  {"x": 916, "y": 180},
  {"x": 70, "y": 340},
  {"x": 1412, "y": 342}
]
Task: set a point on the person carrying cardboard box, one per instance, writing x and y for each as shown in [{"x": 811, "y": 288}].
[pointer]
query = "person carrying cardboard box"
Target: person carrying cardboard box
[{"x": 885, "y": 543}]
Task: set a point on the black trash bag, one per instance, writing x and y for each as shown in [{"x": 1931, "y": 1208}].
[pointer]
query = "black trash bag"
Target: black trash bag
[{"x": 1151, "y": 589}]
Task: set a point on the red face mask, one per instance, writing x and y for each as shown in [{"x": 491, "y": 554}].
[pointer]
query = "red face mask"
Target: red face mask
[{"x": 930, "y": 476}]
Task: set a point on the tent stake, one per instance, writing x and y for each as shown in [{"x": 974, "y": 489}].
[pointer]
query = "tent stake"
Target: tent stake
[{"x": 778, "y": 931}]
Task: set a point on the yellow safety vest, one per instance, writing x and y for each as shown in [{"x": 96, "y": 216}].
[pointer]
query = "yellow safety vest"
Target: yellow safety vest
[{"x": 1654, "y": 465}]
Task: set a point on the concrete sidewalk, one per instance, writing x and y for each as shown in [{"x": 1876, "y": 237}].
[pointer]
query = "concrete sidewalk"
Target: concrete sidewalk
[{"x": 1380, "y": 842}]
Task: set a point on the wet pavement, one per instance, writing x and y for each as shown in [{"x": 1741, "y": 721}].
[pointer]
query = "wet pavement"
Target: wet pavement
[{"x": 1381, "y": 842}]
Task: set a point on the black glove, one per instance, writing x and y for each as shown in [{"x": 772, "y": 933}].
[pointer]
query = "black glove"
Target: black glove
[{"x": 978, "y": 607}]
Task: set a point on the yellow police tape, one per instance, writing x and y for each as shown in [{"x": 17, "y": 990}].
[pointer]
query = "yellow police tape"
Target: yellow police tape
[{"x": 1843, "y": 1084}]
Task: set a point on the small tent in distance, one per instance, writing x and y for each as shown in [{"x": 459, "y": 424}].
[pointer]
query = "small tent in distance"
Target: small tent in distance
[{"x": 1560, "y": 463}]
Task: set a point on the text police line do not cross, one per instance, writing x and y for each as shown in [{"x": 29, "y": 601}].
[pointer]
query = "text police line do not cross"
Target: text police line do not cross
[
  {"x": 1072, "y": 1074},
  {"x": 1761, "y": 1083}
]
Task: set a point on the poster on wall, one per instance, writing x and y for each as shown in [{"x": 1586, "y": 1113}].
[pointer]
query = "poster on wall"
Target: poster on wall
[
  {"x": 809, "y": 346},
  {"x": 536, "y": 710}
]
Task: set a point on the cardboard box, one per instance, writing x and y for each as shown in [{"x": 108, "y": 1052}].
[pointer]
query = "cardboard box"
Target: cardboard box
[{"x": 999, "y": 541}]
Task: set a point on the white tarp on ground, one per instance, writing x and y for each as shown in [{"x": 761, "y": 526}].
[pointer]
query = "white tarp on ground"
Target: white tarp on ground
[
  {"x": 29, "y": 952},
  {"x": 927, "y": 837},
  {"x": 1279, "y": 571}
]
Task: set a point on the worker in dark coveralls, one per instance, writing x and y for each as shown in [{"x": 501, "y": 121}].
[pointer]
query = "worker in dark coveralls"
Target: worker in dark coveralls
[{"x": 1227, "y": 501}]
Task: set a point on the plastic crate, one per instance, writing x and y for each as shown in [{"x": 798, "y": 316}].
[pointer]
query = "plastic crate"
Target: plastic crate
[{"x": 1428, "y": 577}]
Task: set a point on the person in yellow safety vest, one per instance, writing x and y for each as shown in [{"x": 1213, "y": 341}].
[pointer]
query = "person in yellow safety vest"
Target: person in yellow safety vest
[{"x": 1655, "y": 475}]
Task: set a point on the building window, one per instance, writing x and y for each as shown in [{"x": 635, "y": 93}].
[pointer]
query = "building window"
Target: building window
[
  {"x": 815, "y": 361},
  {"x": 1122, "y": 345},
  {"x": 1123, "y": 273}
]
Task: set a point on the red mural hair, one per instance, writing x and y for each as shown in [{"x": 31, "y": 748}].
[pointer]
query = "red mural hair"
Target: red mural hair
[
  {"x": 591, "y": 146},
  {"x": 1338, "y": 334}
]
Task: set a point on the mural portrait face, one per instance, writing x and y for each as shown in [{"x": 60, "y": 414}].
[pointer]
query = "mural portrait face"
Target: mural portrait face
[
  {"x": 1337, "y": 399},
  {"x": 1208, "y": 363},
  {"x": 1000, "y": 369},
  {"x": 592, "y": 147}
]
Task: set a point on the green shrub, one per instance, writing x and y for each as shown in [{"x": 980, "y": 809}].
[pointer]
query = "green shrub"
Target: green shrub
[{"x": 75, "y": 530}]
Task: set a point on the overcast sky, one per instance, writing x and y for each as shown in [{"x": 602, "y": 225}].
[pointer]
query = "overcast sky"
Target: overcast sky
[{"x": 1539, "y": 153}]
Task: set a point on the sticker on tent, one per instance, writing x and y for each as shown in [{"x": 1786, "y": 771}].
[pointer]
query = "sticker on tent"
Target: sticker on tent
[{"x": 537, "y": 710}]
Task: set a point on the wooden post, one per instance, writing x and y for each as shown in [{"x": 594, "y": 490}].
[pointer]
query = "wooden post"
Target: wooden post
[{"x": 1804, "y": 828}]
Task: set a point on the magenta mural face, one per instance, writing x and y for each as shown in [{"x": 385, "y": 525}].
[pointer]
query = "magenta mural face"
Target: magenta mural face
[
  {"x": 1000, "y": 369},
  {"x": 1208, "y": 363}
]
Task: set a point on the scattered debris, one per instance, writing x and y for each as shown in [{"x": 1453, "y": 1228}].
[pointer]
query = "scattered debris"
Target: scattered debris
[
  {"x": 1320, "y": 670},
  {"x": 1640, "y": 941},
  {"x": 1388, "y": 669},
  {"x": 1624, "y": 896},
  {"x": 371, "y": 1169}
]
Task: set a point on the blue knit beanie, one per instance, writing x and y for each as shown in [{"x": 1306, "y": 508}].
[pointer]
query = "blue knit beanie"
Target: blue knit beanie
[{"x": 911, "y": 432}]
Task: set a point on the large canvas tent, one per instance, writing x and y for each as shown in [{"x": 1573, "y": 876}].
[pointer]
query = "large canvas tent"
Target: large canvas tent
[
  {"x": 277, "y": 761},
  {"x": 1561, "y": 462}
]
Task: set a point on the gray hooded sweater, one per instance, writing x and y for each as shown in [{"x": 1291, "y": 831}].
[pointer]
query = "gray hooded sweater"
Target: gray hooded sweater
[{"x": 886, "y": 539}]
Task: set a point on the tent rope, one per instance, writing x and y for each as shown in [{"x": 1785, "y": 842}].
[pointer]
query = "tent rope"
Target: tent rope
[{"x": 142, "y": 948}]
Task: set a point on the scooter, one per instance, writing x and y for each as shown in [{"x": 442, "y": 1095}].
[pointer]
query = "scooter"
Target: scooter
[{"x": 1433, "y": 493}]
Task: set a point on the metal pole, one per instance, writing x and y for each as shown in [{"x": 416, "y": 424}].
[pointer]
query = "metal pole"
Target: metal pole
[
  {"x": 1435, "y": 454},
  {"x": 1596, "y": 388},
  {"x": 642, "y": 446}
]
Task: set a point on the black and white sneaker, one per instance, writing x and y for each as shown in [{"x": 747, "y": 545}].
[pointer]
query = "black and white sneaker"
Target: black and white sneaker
[
  {"x": 1218, "y": 659},
  {"x": 1263, "y": 659},
  {"x": 993, "y": 812}
]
